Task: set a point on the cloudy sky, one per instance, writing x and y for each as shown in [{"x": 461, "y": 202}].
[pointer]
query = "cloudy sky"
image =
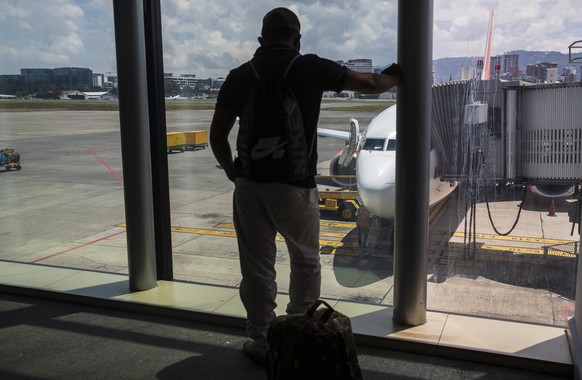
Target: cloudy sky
[{"x": 208, "y": 37}]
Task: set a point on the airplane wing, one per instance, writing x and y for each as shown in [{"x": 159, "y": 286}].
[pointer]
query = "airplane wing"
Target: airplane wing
[{"x": 343, "y": 135}]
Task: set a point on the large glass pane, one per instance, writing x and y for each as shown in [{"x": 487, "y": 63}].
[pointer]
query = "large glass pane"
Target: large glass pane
[
  {"x": 481, "y": 140},
  {"x": 60, "y": 160},
  {"x": 507, "y": 128},
  {"x": 203, "y": 41}
]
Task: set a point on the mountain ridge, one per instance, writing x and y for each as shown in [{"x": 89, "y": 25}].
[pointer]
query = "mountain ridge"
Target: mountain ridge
[{"x": 450, "y": 67}]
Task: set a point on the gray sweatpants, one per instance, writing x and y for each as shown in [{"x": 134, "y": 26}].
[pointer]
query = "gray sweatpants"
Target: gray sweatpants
[{"x": 260, "y": 211}]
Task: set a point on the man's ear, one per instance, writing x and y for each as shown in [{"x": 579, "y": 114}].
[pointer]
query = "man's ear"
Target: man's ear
[{"x": 297, "y": 42}]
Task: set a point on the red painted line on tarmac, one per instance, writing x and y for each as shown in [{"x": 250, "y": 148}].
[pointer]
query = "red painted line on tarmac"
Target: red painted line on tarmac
[
  {"x": 80, "y": 246},
  {"x": 91, "y": 152}
]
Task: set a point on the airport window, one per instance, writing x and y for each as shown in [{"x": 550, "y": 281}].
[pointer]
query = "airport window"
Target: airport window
[
  {"x": 60, "y": 158},
  {"x": 62, "y": 180}
]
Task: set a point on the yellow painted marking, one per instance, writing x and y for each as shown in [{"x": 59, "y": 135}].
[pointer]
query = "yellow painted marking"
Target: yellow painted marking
[
  {"x": 552, "y": 252},
  {"x": 520, "y": 250},
  {"x": 201, "y": 231},
  {"x": 337, "y": 224},
  {"x": 514, "y": 250},
  {"x": 339, "y": 235},
  {"x": 516, "y": 238},
  {"x": 322, "y": 223},
  {"x": 339, "y": 247}
]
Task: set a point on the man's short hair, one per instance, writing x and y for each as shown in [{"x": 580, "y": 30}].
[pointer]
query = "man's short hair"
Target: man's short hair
[{"x": 280, "y": 21}]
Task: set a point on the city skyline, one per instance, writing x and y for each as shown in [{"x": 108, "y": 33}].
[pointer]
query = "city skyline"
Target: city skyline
[{"x": 79, "y": 33}]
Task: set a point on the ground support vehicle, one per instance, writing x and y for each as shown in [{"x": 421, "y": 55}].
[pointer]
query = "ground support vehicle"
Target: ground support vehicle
[
  {"x": 9, "y": 158},
  {"x": 344, "y": 202}
]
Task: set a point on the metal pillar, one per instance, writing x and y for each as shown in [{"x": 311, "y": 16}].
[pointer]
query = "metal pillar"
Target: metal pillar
[
  {"x": 159, "y": 156},
  {"x": 135, "y": 142},
  {"x": 415, "y": 19}
]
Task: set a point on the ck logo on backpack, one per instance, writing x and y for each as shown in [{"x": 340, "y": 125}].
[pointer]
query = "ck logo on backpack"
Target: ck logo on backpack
[{"x": 271, "y": 143}]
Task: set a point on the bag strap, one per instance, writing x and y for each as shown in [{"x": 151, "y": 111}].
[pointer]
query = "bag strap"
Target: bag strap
[
  {"x": 286, "y": 70},
  {"x": 311, "y": 311}
]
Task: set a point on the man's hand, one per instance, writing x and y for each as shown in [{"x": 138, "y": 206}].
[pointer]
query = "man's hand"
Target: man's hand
[{"x": 393, "y": 69}]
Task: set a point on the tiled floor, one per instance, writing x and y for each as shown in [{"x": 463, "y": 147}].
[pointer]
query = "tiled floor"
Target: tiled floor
[{"x": 463, "y": 337}]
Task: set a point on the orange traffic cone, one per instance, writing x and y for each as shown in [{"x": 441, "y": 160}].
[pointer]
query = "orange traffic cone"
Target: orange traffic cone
[{"x": 552, "y": 211}]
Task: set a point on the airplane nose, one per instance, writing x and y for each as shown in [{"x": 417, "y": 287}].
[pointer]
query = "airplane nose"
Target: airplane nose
[{"x": 376, "y": 174}]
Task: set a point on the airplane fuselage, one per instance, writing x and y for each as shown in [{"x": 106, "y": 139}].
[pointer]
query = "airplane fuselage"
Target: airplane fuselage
[{"x": 376, "y": 165}]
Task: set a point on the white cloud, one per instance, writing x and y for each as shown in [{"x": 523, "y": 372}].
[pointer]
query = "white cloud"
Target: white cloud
[{"x": 209, "y": 37}]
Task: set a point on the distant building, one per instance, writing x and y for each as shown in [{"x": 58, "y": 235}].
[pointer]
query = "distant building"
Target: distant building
[
  {"x": 511, "y": 65},
  {"x": 68, "y": 77},
  {"x": 362, "y": 65},
  {"x": 80, "y": 95},
  {"x": 98, "y": 80},
  {"x": 544, "y": 72},
  {"x": 72, "y": 77},
  {"x": 181, "y": 81},
  {"x": 31, "y": 76},
  {"x": 468, "y": 72},
  {"x": 100, "y": 95},
  {"x": 73, "y": 95},
  {"x": 568, "y": 74}
]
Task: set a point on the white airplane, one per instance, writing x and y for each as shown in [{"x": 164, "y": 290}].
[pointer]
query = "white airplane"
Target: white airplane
[{"x": 375, "y": 165}]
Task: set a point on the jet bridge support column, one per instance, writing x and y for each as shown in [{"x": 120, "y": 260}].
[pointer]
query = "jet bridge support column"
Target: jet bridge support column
[
  {"x": 135, "y": 142},
  {"x": 412, "y": 160}
]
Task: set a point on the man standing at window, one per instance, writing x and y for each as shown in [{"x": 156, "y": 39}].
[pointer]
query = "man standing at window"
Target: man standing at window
[{"x": 263, "y": 208}]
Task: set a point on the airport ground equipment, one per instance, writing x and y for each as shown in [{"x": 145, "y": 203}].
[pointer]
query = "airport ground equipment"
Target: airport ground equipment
[
  {"x": 344, "y": 202},
  {"x": 187, "y": 140},
  {"x": 196, "y": 139},
  {"x": 9, "y": 158}
]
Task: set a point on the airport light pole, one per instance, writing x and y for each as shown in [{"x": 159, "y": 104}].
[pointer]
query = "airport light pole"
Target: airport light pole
[{"x": 415, "y": 18}]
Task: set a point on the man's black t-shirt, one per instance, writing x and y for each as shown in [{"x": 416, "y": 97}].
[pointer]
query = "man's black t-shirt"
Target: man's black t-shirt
[{"x": 309, "y": 77}]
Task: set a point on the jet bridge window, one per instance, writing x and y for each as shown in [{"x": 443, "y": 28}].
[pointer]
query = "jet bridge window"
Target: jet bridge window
[{"x": 374, "y": 144}]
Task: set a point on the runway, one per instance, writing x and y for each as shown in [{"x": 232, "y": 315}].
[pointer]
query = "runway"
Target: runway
[{"x": 65, "y": 208}]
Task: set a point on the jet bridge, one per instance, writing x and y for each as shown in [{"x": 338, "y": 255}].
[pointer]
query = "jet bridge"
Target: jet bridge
[{"x": 510, "y": 132}]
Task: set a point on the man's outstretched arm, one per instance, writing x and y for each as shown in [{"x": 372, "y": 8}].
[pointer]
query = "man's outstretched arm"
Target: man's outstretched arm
[{"x": 369, "y": 83}]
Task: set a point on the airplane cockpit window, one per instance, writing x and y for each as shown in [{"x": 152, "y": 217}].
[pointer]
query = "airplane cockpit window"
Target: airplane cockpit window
[
  {"x": 391, "y": 144},
  {"x": 374, "y": 144}
]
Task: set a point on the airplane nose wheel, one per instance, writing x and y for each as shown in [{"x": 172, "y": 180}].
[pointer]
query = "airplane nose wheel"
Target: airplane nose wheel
[{"x": 347, "y": 211}]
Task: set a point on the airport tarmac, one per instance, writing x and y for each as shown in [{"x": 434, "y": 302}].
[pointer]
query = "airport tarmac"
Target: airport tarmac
[{"x": 65, "y": 208}]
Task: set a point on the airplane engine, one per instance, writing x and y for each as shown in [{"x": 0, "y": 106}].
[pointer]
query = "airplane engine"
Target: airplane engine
[
  {"x": 336, "y": 169},
  {"x": 552, "y": 190}
]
